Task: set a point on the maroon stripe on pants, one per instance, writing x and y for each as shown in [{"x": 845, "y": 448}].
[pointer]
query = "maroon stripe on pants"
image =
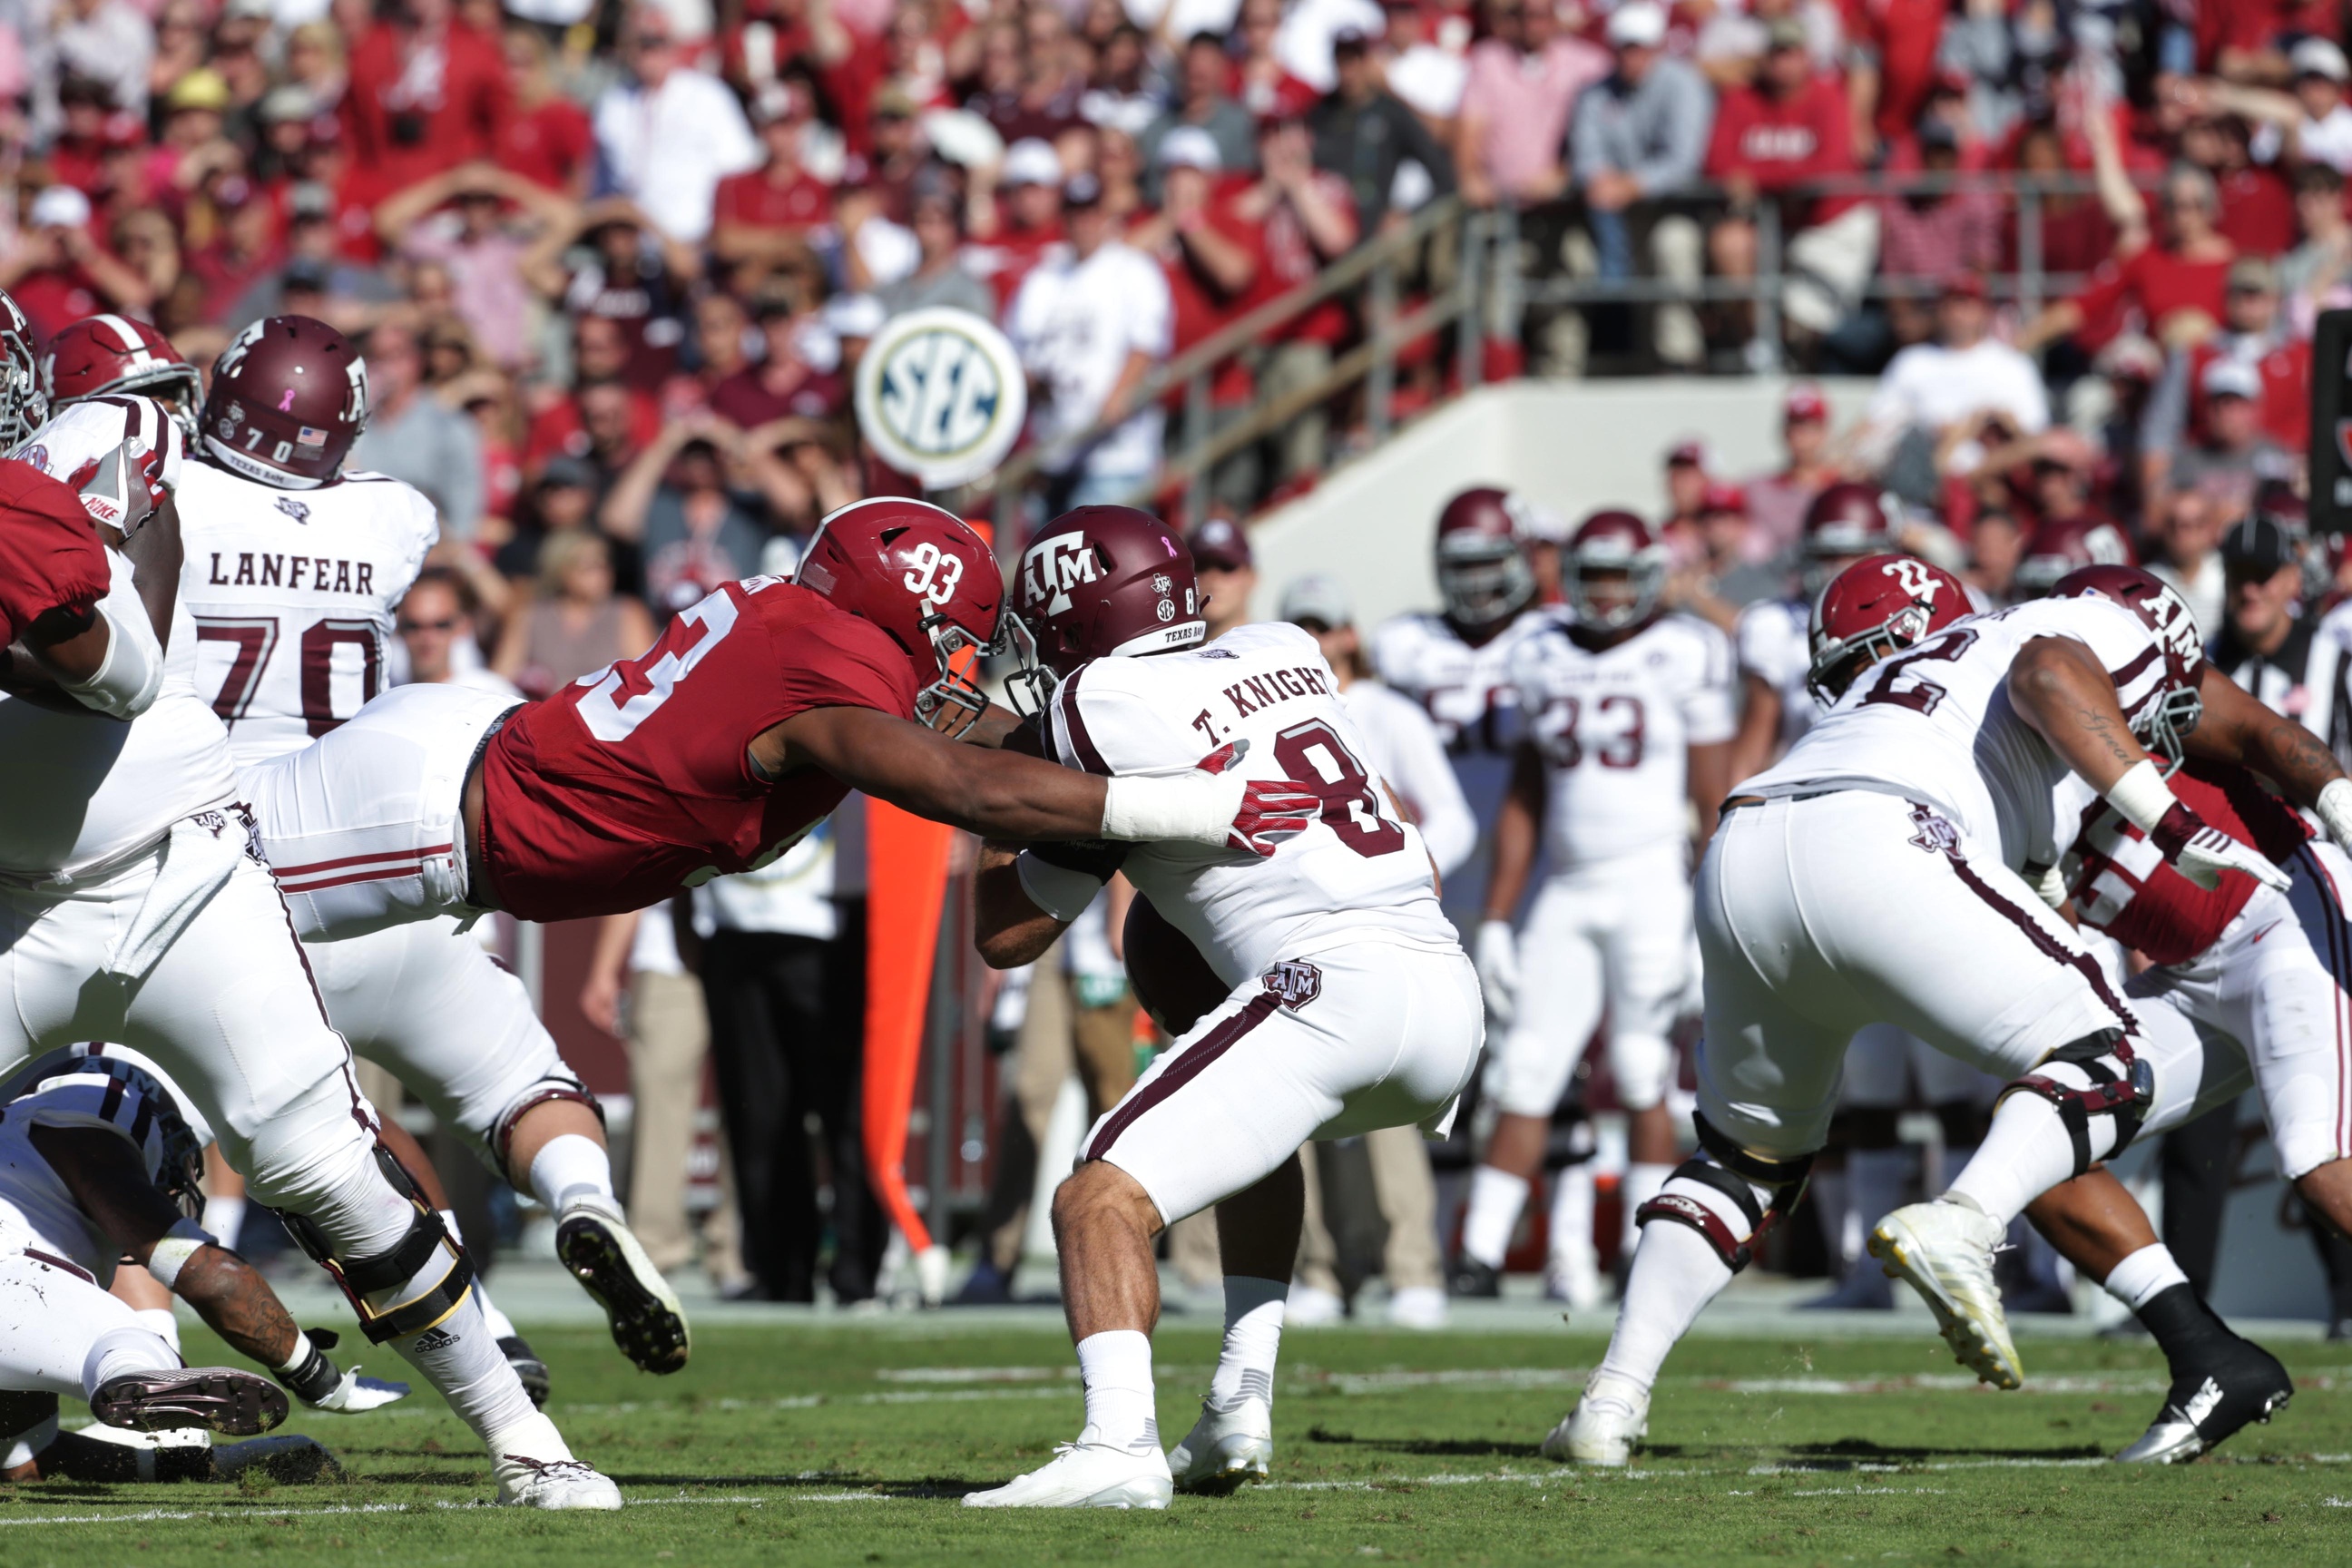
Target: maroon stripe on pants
[
  {"x": 1190, "y": 1065},
  {"x": 2081, "y": 962},
  {"x": 54, "y": 1261}
]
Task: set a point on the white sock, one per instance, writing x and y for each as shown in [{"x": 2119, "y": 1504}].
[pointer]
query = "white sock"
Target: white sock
[
  {"x": 1253, "y": 1337},
  {"x": 159, "y": 1322},
  {"x": 1677, "y": 1272},
  {"x": 1874, "y": 1180},
  {"x": 1121, "y": 1405},
  {"x": 126, "y": 1350},
  {"x": 1496, "y": 1199},
  {"x": 501, "y": 1326},
  {"x": 2144, "y": 1276},
  {"x": 569, "y": 1168},
  {"x": 460, "y": 1358},
  {"x": 533, "y": 1436},
  {"x": 1570, "y": 1241},
  {"x": 1642, "y": 1181},
  {"x": 224, "y": 1218},
  {"x": 2025, "y": 1154}
]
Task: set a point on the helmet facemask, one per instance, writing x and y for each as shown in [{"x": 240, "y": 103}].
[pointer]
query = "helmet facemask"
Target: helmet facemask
[
  {"x": 1486, "y": 584},
  {"x": 23, "y": 406},
  {"x": 953, "y": 703},
  {"x": 1643, "y": 581},
  {"x": 1835, "y": 672},
  {"x": 2166, "y": 721}
]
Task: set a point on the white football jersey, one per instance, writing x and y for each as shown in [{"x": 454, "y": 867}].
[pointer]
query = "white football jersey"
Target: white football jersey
[
  {"x": 1356, "y": 871},
  {"x": 1615, "y": 725},
  {"x": 77, "y": 790},
  {"x": 35, "y": 1201},
  {"x": 1935, "y": 723},
  {"x": 1466, "y": 691},
  {"x": 285, "y": 599},
  {"x": 1774, "y": 639},
  {"x": 72, "y": 445}
]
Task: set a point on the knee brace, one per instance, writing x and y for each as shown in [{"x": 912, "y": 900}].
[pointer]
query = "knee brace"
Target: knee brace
[
  {"x": 2096, "y": 1076},
  {"x": 1735, "y": 1172},
  {"x": 428, "y": 1267},
  {"x": 551, "y": 1086}
]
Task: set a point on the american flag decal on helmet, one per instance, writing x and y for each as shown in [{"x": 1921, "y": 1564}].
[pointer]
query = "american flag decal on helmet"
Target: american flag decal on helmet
[{"x": 1295, "y": 982}]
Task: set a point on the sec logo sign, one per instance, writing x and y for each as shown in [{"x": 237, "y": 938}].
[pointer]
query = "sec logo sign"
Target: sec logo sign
[{"x": 940, "y": 396}]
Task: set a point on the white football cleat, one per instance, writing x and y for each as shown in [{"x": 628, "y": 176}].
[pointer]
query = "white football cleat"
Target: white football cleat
[
  {"x": 649, "y": 1325},
  {"x": 1575, "y": 1283},
  {"x": 1418, "y": 1307},
  {"x": 1088, "y": 1473},
  {"x": 1225, "y": 1449},
  {"x": 1944, "y": 1251},
  {"x": 553, "y": 1484},
  {"x": 1608, "y": 1421},
  {"x": 1311, "y": 1307}
]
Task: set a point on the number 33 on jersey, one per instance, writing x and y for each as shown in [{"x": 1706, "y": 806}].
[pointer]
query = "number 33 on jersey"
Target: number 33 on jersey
[{"x": 1357, "y": 869}]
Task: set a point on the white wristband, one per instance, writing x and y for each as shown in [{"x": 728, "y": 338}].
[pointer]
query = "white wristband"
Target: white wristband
[
  {"x": 171, "y": 1254},
  {"x": 300, "y": 1357},
  {"x": 2142, "y": 796},
  {"x": 2334, "y": 809},
  {"x": 1195, "y": 808},
  {"x": 1060, "y": 891},
  {"x": 131, "y": 673}
]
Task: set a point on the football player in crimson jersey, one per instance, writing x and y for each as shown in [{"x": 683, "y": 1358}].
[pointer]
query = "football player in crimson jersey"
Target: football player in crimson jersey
[
  {"x": 1348, "y": 1002},
  {"x": 1629, "y": 714},
  {"x": 1911, "y": 828},
  {"x": 713, "y": 751}
]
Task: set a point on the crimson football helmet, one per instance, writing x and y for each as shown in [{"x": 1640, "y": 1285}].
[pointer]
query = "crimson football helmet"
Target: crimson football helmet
[
  {"x": 1482, "y": 568},
  {"x": 2055, "y": 549},
  {"x": 1848, "y": 520},
  {"x": 1618, "y": 542},
  {"x": 288, "y": 397},
  {"x": 928, "y": 579},
  {"x": 24, "y": 407},
  {"x": 2163, "y": 719},
  {"x": 1106, "y": 579},
  {"x": 1877, "y": 606},
  {"x": 99, "y": 354}
]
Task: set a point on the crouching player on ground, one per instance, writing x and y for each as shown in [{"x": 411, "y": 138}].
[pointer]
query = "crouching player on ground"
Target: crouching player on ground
[
  {"x": 1350, "y": 1003},
  {"x": 100, "y": 1161}
]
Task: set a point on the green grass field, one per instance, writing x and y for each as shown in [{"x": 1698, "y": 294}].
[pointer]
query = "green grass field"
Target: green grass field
[{"x": 850, "y": 1441}]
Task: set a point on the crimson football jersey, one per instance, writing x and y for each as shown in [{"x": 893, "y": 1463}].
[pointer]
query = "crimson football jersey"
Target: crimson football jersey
[
  {"x": 2125, "y": 887},
  {"x": 635, "y": 780}
]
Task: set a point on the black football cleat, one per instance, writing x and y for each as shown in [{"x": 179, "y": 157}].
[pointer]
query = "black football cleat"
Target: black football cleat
[
  {"x": 216, "y": 1398},
  {"x": 528, "y": 1367},
  {"x": 2223, "y": 1388},
  {"x": 1472, "y": 1279}
]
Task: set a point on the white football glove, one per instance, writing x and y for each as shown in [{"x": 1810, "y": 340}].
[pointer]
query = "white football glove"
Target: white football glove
[
  {"x": 2201, "y": 852},
  {"x": 2334, "y": 809},
  {"x": 355, "y": 1394},
  {"x": 1499, "y": 969}
]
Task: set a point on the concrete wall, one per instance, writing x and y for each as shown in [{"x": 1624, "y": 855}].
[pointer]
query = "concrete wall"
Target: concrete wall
[{"x": 1573, "y": 446}]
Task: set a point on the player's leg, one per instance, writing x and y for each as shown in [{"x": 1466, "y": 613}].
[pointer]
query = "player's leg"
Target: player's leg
[
  {"x": 1646, "y": 952},
  {"x": 61, "y": 1333},
  {"x": 1558, "y": 1006},
  {"x": 1258, "y": 1235},
  {"x": 1778, "y": 1019},
  {"x": 230, "y": 1009},
  {"x": 1873, "y": 1162},
  {"x": 428, "y": 1004},
  {"x": 2299, "y": 1035},
  {"x": 1406, "y": 1190},
  {"x": 2221, "y": 1382}
]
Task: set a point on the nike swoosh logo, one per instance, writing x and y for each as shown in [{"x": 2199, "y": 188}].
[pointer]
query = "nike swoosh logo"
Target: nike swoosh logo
[{"x": 2263, "y": 932}]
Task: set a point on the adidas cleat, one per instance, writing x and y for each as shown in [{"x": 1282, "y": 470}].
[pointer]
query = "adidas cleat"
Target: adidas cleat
[
  {"x": 216, "y": 1398},
  {"x": 1225, "y": 1449},
  {"x": 2206, "y": 1405},
  {"x": 1609, "y": 1421},
  {"x": 1944, "y": 1251},
  {"x": 648, "y": 1324},
  {"x": 1087, "y": 1474}
]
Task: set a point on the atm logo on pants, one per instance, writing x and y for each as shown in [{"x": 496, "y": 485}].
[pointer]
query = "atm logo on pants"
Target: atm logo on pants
[{"x": 1294, "y": 982}]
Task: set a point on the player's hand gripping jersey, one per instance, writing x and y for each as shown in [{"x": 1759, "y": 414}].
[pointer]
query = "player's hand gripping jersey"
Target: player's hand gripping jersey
[
  {"x": 286, "y": 601},
  {"x": 1935, "y": 724},
  {"x": 1358, "y": 870},
  {"x": 1615, "y": 725},
  {"x": 636, "y": 780}
]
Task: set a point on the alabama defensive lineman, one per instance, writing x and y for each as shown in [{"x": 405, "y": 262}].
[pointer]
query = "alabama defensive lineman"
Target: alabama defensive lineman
[
  {"x": 292, "y": 567},
  {"x": 134, "y": 910},
  {"x": 713, "y": 751},
  {"x": 1351, "y": 1005},
  {"x": 1629, "y": 715},
  {"x": 1879, "y": 874}
]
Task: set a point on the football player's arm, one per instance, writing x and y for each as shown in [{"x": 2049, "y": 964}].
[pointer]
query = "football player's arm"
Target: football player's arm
[
  {"x": 1710, "y": 777},
  {"x": 1517, "y": 830},
  {"x": 1759, "y": 726},
  {"x": 1008, "y": 928},
  {"x": 107, "y": 658},
  {"x": 2236, "y": 728},
  {"x": 110, "y": 1183}
]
